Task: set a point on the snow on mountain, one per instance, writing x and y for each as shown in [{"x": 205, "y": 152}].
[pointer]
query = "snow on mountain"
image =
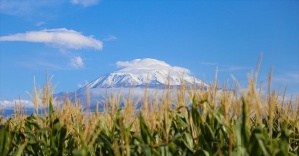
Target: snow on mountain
[
  {"x": 142, "y": 72},
  {"x": 137, "y": 74}
]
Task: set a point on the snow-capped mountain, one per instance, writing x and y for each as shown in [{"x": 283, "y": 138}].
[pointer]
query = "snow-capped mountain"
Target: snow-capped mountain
[
  {"x": 145, "y": 72},
  {"x": 137, "y": 74}
]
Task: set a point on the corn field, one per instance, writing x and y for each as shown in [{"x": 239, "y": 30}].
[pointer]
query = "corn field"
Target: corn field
[{"x": 210, "y": 121}]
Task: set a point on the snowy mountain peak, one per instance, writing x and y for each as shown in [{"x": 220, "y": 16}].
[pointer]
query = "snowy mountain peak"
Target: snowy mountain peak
[
  {"x": 138, "y": 73},
  {"x": 142, "y": 72}
]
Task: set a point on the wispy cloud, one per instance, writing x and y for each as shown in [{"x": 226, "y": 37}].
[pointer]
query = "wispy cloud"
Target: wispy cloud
[
  {"x": 38, "y": 7},
  {"x": 44, "y": 65},
  {"x": 39, "y": 24},
  {"x": 225, "y": 68},
  {"x": 110, "y": 38},
  {"x": 85, "y": 2},
  {"x": 76, "y": 62},
  {"x": 291, "y": 77},
  {"x": 232, "y": 68},
  {"x": 41, "y": 64},
  {"x": 61, "y": 37},
  {"x": 26, "y": 7},
  {"x": 209, "y": 63}
]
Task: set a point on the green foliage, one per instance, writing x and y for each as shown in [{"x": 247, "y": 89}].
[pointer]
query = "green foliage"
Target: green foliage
[
  {"x": 189, "y": 134},
  {"x": 201, "y": 129}
]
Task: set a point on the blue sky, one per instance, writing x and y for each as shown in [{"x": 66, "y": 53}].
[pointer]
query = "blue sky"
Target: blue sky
[{"x": 93, "y": 35}]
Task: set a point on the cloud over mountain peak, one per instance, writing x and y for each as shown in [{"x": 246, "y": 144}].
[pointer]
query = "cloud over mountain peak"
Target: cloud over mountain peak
[{"x": 147, "y": 65}]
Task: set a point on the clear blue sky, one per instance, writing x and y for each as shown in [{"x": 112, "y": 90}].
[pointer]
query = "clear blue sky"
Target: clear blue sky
[{"x": 197, "y": 35}]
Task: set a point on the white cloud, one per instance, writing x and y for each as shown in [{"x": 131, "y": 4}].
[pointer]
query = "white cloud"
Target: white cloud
[
  {"x": 10, "y": 104},
  {"x": 85, "y": 2},
  {"x": 148, "y": 64},
  {"x": 77, "y": 62},
  {"x": 60, "y": 37}
]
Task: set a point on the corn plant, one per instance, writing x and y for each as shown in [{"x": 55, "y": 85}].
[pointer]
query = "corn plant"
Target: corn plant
[{"x": 212, "y": 122}]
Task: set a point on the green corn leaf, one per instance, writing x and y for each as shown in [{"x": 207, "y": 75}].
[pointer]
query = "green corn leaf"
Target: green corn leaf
[
  {"x": 188, "y": 141},
  {"x": 144, "y": 130},
  {"x": 202, "y": 152},
  {"x": 195, "y": 114},
  {"x": 20, "y": 149},
  {"x": 62, "y": 132},
  {"x": 79, "y": 152},
  {"x": 284, "y": 142},
  {"x": 244, "y": 128},
  {"x": 51, "y": 107},
  {"x": 5, "y": 139}
]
